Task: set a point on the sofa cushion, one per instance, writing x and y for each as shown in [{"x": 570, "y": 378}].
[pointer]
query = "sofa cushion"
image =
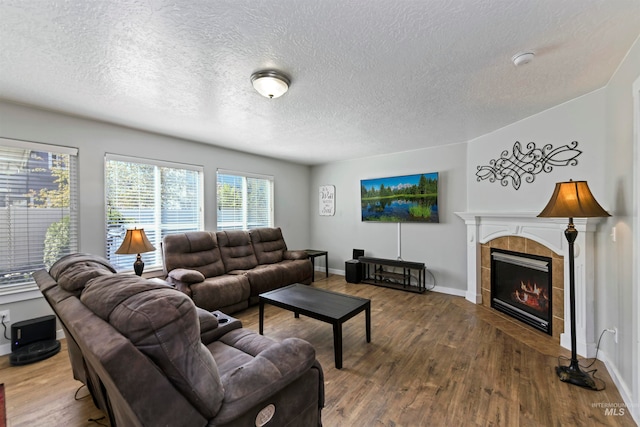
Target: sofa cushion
[
  {"x": 296, "y": 271},
  {"x": 265, "y": 278},
  {"x": 296, "y": 255},
  {"x": 163, "y": 324},
  {"x": 236, "y": 250},
  {"x": 268, "y": 277},
  {"x": 195, "y": 250},
  {"x": 268, "y": 244},
  {"x": 218, "y": 292},
  {"x": 254, "y": 367},
  {"x": 72, "y": 272}
]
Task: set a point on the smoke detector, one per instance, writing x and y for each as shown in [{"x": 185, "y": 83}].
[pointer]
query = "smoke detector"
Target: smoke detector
[{"x": 522, "y": 58}]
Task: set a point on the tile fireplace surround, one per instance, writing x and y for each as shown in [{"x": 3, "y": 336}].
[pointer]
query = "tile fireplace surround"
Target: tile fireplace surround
[{"x": 483, "y": 227}]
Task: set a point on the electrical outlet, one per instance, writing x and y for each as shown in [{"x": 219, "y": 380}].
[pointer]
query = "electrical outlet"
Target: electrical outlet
[
  {"x": 615, "y": 335},
  {"x": 4, "y": 316}
]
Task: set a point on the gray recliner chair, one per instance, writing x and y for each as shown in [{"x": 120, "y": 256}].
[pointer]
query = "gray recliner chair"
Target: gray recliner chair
[{"x": 150, "y": 357}]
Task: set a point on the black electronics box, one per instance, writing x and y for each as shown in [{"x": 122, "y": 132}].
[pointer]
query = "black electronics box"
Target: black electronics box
[
  {"x": 33, "y": 330},
  {"x": 33, "y": 340},
  {"x": 352, "y": 271}
]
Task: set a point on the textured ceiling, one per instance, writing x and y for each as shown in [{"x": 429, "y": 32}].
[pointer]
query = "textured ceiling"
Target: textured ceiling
[{"x": 369, "y": 77}]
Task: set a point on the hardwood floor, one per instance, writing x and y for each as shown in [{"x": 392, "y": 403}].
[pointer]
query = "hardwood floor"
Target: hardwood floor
[
  {"x": 434, "y": 360},
  {"x": 43, "y": 394}
]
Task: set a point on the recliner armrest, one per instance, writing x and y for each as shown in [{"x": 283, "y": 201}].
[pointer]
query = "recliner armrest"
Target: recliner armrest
[
  {"x": 293, "y": 255},
  {"x": 208, "y": 321},
  {"x": 269, "y": 372},
  {"x": 215, "y": 324}
]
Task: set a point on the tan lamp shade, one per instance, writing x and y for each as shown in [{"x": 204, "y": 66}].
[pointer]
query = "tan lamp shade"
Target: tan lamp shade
[
  {"x": 135, "y": 242},
  {"x": 572, "y": 199}
]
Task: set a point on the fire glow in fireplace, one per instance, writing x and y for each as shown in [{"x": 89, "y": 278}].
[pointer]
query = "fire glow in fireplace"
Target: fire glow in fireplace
[{"x": 521, "y": 287}]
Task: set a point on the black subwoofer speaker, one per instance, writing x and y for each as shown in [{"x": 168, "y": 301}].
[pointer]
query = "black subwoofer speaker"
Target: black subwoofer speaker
[
  {"x": 33, "y": 340},
  {"x": 352, "y": 271}
]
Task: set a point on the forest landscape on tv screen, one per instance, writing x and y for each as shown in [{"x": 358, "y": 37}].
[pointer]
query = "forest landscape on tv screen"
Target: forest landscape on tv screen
[{"x": 408, "y": 198}]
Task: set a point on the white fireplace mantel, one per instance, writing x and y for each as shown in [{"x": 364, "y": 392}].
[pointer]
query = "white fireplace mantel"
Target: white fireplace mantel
[{"x": 485, "y": 226}]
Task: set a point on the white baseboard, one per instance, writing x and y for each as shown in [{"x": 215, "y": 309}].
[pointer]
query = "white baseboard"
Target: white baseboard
[
  {"x": 5, "y": 349},
  {"x": 630, "y": 406},
  {"x": 450, "y": 291}
]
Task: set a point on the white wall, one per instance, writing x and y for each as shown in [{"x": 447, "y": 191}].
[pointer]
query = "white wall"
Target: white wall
[
  {"x": 616, "y": 294},
  {"x": 94, "y": 139},
  {"x": 581, "y": 120},
  {"x": 440, "y": 246},
  {"x": 602, "y": 123}
]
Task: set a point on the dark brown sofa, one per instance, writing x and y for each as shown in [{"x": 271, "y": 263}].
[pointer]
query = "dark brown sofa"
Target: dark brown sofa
[
  {"x": 150, "y": 357},
  {"x": 227, "y": 270}
]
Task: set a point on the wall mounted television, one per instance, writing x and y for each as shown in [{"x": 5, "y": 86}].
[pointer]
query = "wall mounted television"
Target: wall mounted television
[{"x": 408, "y": 198}]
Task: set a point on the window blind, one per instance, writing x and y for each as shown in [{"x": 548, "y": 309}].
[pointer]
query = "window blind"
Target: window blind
[
  {"x": 244, "y": 201},
  {"x": 38, "y": 210},
  {"x": 159, "y": 197}
]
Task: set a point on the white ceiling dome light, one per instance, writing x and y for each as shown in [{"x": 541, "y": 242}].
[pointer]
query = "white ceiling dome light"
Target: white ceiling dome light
[
  {"x": 270, "y": 83},
  {"x": 522, "y": 58}
]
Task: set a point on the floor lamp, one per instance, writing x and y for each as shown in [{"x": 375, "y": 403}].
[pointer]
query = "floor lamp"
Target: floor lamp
[{"x": 573, "y": 199}]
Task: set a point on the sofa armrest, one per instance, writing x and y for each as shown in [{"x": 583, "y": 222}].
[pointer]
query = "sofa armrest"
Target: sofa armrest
[
  {"x": 186, "y": 275},
  {"x": 293, "y": 255},
  {"x": 269, "y": 372},
  {"x": 182, "y": 279}
]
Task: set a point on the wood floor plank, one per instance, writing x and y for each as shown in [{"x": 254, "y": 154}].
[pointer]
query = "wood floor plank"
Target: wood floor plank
[{"x": 434, "y": 360}]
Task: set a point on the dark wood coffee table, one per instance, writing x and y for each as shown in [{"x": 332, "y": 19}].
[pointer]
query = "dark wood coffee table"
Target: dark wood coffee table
[{"x": 320, "y": 304}]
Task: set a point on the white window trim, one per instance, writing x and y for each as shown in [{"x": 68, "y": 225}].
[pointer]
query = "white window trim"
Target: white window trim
[
  {"x": 245, "y": 174},
  {"x": 38, "y": 146},
  {"x": 154, "y": 162}
]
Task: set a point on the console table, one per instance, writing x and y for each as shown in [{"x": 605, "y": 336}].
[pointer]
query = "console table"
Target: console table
[{"x": 376, "y": 272}]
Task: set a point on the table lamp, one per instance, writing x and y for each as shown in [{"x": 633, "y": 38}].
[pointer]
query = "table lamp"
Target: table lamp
[
  {"x": 573, "y": 199},
  {"x": 136, "y": 242}
]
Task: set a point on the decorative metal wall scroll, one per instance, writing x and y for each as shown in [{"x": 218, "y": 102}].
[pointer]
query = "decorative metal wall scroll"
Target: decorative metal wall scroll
[{"x": 521, "y": 165}]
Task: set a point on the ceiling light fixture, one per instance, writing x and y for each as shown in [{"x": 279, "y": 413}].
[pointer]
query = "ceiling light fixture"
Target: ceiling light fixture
[
  {"x": 522, "y": 58},
  {"x": 270, "y": 84}
]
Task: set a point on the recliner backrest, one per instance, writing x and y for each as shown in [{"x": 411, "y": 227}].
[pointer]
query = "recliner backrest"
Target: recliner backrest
[
  {"x": 163, "y": 324},
  {"x": 73, "y": 271},
  {"x": 236, "y": 250},
  {"x": 268, "y": 244},
  {"x": 195, "y": 250}
]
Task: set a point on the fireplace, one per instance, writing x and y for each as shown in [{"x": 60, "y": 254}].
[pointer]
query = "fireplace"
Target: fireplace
[
  {"x": 521, "y": 287},
  {"x": 525, "y": 232}
]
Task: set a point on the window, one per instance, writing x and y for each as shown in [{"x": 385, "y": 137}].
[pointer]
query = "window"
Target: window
[
  {"x": 38, "y": 210},
  {"x": 159, "y": 197},
  {"x": 245, "y": 201}
]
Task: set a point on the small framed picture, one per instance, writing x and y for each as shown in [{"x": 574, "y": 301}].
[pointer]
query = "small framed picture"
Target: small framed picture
[{"x": 327, "y": 203}]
